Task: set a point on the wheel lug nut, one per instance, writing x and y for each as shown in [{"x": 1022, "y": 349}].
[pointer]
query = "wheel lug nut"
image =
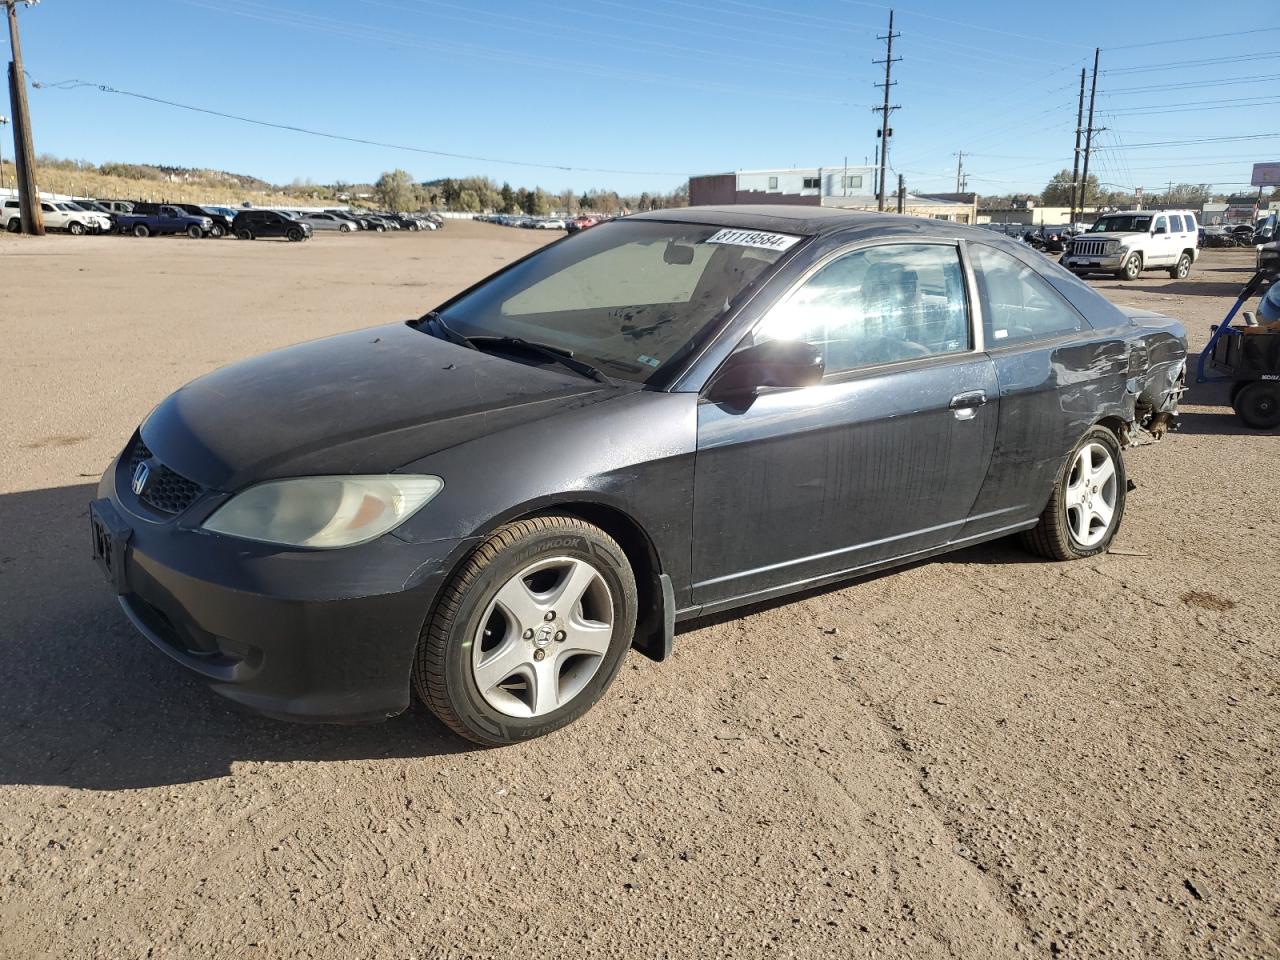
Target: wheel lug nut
[
  {"x": 528, "y": 634},
  {"x": 539, "y": 654},
  {"x": 549, "y": 615},
  {"x": 560, "y": 634}
]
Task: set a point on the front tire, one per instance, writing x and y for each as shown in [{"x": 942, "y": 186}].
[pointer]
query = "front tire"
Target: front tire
[
  {"x": 1180, "y": 269},
  {"x": 217, "y": 232},
  {"x": 295, "y": 236},
  {"x": 1132, "y": 267},
  {"x": 141, "y": 230},
  {"x": 1087, "y": 505},
  {"x": 76, "y": 229},
  {"x": 1258, "y": 404},
  {"x": 529, "y": 634},
  {"x": 194, "y": 232},
  {"x": 243, "y": 234}
]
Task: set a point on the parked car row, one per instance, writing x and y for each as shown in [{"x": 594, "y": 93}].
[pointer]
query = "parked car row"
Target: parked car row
[
  {"x": 145, "y": 219},
  {"x": 571, "y": 224}
]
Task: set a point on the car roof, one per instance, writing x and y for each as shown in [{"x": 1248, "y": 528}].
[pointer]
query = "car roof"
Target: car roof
[{"x": 802, "y": 221}]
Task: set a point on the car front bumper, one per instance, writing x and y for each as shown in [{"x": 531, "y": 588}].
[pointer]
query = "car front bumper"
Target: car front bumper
[
  {"x": 316, "y": 635},
  {"x": 1099, "y": 264}
]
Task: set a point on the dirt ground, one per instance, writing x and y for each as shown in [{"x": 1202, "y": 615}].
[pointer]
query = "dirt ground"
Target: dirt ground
[{"x": 985, "y": 756}]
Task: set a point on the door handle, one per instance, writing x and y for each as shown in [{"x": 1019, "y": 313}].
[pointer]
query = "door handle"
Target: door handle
[
  {"x": 966, "y": 404},
  {"x": 967, "y": 401}
]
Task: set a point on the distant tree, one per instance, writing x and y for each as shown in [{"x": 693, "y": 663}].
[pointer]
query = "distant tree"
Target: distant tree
[
  {"x": 507, "y": 198},
  {"x": 539, "y": 203},
  {"x": 1188, "y": 194},
  {"x": 396, "y": 190},
  {"x": 584, "y": 202},
  {"x": 1057, "y": 192},
  {"x": 645, "y": 202},
  {"x": 468, "y": 200}
]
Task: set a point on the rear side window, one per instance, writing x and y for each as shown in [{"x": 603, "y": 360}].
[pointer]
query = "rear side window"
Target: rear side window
[
  {"x": 1018, "y": 305},
  {"x": 1191, "y": 224},
  {"x": 1175, "y": 223}
]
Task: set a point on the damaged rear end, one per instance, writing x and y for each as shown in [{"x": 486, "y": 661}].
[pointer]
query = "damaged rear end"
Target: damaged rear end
[{"x": 1157, "y": 373}]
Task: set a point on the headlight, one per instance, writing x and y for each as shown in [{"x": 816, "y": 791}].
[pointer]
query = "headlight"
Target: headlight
[{"x": 324, "y": 512}]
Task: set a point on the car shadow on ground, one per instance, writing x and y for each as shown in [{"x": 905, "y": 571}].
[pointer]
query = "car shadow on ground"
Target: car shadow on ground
[
  {"x": 1223, "y": 289},
  {"x": 89, "y": 703}
]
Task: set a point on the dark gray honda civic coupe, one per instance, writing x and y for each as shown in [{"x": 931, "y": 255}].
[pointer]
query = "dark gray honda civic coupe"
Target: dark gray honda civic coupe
[{"x": 664, "y": 416}]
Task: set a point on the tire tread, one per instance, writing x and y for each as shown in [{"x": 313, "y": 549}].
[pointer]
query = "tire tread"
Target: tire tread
[{"x": 429, "y": 660}]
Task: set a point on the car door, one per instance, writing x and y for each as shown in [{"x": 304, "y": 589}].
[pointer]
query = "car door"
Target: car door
[
  {"x": 883, "y": 459},
  {"x": 1161, "y": 243},
  {"x": 1055, "y": 373}
]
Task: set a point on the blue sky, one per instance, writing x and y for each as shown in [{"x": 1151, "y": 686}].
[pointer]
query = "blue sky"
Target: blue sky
[{"x": 665, "y": 88}]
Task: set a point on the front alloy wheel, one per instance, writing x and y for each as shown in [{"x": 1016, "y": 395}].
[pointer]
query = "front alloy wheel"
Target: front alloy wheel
[
  {"x": 1132, "y": 267},
  {"x": 529, "y": 633},
  {"x": 1087, "y": 505}
]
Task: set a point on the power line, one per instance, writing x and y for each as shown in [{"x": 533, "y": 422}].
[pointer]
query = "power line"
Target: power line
[
  {"x": 1183, "y": 143},
  {"x": 1211, "y": 36},
  {"x": 292, "y": 128},
  {"x": 1193, "y": 63},
  {"x": 1196, "y": 83}
]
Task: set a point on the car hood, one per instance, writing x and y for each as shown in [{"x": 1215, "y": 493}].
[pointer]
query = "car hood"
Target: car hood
[
  {"x": 1122, "y": 237},
  {"x": 363, "y": 402}
]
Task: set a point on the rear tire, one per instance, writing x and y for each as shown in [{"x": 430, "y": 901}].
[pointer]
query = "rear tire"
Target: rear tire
[
  {"x": 141, "y": 230},
  {"x": 14, "y": 225},
  {"x": 1180, "y": 269},
  {"x": 1085, "y": 494},
  {"x": 1258, "y": 404},
  {"x": 551, "y": 657}
]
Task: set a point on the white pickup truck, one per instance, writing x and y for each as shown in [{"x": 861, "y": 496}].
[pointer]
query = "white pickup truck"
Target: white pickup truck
[{"x": 1127, "y": 242}]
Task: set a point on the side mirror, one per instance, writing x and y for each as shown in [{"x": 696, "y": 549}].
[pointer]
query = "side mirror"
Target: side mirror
[{"x": 773, "y": 363}]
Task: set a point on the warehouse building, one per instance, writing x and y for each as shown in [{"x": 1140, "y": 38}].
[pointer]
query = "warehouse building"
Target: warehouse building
[{"x": 839, "y": 186}]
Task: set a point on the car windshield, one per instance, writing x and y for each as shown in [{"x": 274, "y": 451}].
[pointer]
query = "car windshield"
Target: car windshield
[
  {"x": 1129, "y": 223},
  {"x": 628, "y": 297}
]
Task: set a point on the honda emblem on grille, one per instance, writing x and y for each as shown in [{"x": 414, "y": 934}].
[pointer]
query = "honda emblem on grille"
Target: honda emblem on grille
[{"x": 141, "y": 473}]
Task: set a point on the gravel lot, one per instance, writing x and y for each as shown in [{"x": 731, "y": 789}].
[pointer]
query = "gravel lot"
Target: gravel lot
[{"x": 984, "y": 756}]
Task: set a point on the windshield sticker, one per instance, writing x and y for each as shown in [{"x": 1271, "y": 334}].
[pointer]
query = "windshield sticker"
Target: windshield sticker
[
  {"x": 754, "y": 238},
  {"x": 651, "y": 361}
]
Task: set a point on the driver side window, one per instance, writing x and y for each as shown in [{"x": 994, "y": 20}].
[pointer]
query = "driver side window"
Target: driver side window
[{"x": 878, "y": 305}]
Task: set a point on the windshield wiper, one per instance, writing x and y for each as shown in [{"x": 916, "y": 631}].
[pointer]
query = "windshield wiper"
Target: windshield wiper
[
  {"x": 555, "y": 354},
  {"x": 446, "y": 332}
]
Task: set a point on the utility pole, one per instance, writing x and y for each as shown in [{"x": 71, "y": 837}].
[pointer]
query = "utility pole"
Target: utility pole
[
  {"x": 3, "y": 122},
  {"x": 902, "y": 194},
  {"x": 885, "y": 130},
  {"x": 24, "y": 154},
  {"x": 960, "y": 172},
  {"x": 1089, "y": 132},
  {"x": 1075, "y": 163}
]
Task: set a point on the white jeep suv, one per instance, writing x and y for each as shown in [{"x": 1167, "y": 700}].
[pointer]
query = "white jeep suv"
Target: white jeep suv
[{"x": 1128, "y": 242}]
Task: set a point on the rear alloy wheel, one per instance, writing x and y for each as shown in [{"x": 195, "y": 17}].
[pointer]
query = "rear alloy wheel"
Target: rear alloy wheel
[
  {"x": 1258, "y": 404},
  {"x": 141, "y": 230},
  {"x": 1180, "y": 269},
  {"x": 1132, "y": 267},
  {"x": 76, "y": 229},
  {"x": 194, "y": 232},
  {"x": 1087, "y": 504},
  {"x": 529, "y": 633},
  {"x": 14, "y": 225}
]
